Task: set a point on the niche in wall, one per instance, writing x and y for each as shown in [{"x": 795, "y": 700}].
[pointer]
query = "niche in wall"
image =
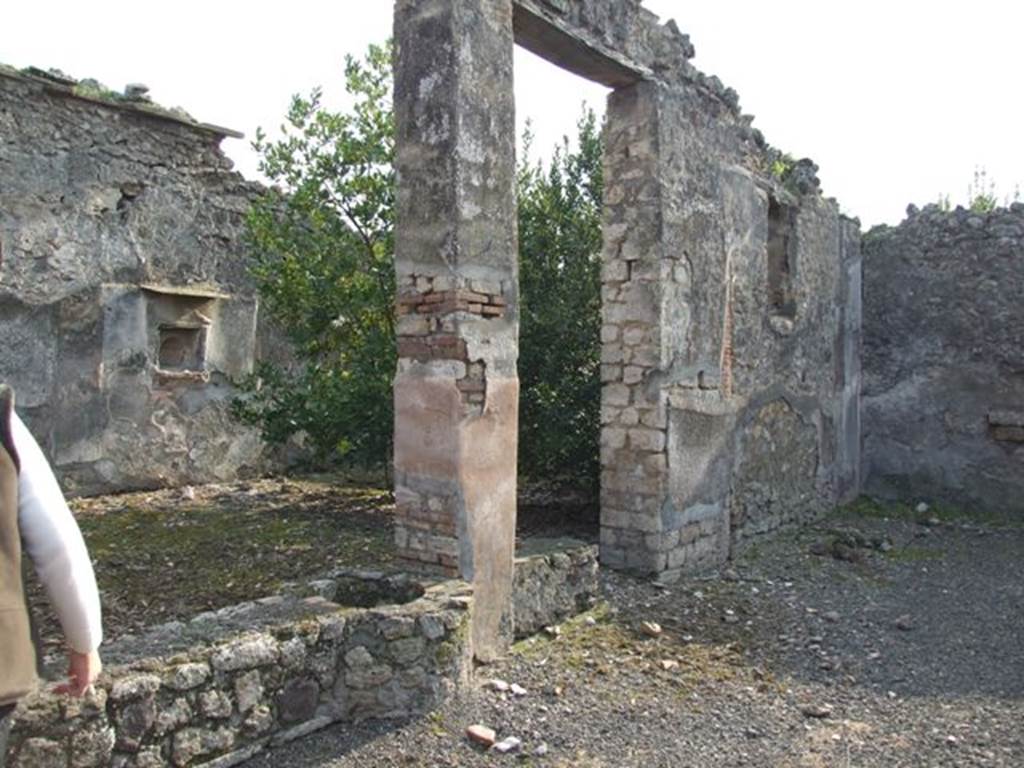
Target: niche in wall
[
  {"x": 182, "y": 348},
  {"x": 781, "y": 259},
  {"x": 179, "y": 323}
]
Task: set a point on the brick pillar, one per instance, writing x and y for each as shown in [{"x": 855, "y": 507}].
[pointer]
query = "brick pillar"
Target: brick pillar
[
  {"x": 634, "y": 423},
  {"x": 456, "y": 388}
]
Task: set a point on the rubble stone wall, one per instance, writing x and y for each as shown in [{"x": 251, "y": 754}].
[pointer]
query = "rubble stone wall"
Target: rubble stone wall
[
  {"x": 554, "y": 580},
  {"x": 125, "y": 303},
  {"x": 220, "y": 688},
  {"x": 944, "y": 358},
  {"x": 731, "y": 304},
  {"x": 730, "y": 301},
  {"x": 730, "y": 313},
  {"x": 216, "y": 690}
]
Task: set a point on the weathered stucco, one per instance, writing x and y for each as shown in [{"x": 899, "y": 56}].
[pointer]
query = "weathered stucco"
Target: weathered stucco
[
  {"x": 944, "y": 358},
  {"x": 730, "y": 296},
  {"x": 695, "y": 342},
  {"x": 456, "y": 262},
  {"x": 124, "y": 297}
]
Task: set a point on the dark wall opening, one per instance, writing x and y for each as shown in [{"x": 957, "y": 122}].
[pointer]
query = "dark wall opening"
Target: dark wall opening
[
  {"x": 182, "y": 348},
  {"x": 781, "y": 262}
]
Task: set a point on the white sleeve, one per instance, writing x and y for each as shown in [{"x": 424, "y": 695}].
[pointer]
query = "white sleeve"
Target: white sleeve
[{"x": 55, "y": 545}]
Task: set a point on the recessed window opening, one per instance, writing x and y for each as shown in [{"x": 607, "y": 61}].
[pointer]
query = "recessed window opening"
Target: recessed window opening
[
  {"x": 781, "y": 266},
  {"x": 182, "y": 348}
]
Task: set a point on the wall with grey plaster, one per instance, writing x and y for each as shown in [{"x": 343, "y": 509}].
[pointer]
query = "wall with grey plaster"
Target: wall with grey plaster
[
  {"x": 944, "y": 358},
  {"x": 125, "y": 304}
]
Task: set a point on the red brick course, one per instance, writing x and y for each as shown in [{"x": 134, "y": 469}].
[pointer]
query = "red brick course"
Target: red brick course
[{"x": 447, "y": 302}]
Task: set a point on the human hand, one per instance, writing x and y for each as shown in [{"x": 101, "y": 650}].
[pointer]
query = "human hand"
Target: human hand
[{"x": 83, "y": 669}]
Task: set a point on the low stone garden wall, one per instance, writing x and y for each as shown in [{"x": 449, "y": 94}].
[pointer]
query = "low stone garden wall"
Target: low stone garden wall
[
  {"x": 554, "y": 580},
  {"x": 216, "y": 690}
]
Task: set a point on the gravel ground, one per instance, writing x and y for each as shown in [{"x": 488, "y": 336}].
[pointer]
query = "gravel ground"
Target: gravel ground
[{"x": 856, "y": 642}]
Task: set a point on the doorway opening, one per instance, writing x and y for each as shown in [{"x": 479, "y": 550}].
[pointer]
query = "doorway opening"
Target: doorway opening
[{"x": 560, "y": 185}]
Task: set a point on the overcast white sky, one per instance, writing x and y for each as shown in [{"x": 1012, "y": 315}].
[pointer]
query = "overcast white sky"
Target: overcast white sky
[{"x": 897, "y": 100}]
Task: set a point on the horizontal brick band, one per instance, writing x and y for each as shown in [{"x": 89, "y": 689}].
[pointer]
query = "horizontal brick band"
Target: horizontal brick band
[{"x": 447, "y": 302}]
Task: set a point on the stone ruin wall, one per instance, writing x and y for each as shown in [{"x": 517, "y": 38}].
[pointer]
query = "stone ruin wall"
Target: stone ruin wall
[
  {"x": 731, "y": 305},
  {"x": 730, "y": 337},
  {"x": 728, "y": 294},
  {"x": 730, "y": 300},
  {"x": 222, "y": 687},
  {"x": 124, "y": 298},
  {"x": 225, "y": 685},
  {"x": 944, "y": 359}
]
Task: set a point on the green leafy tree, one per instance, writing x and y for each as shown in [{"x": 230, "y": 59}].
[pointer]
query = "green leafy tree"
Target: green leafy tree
[
  {"x": 560, "y": 325},
  {"x": 322, "y": 255},
  {"x": 321, "y": 243}
]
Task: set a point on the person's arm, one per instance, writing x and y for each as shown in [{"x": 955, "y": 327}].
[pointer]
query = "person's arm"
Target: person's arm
[{"x": 55, "y": 545}]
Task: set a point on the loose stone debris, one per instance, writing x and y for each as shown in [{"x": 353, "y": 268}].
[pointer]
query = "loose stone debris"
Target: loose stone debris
[{"x": 482, "y": 735}]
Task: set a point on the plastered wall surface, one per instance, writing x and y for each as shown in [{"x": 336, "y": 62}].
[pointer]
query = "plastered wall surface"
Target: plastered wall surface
[
  {"x": 944, "y": 358},
  {"x": 124, "y": 300}
]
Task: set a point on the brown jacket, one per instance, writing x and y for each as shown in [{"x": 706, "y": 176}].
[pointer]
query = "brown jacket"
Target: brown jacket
[{"x": 17, "y": 654}]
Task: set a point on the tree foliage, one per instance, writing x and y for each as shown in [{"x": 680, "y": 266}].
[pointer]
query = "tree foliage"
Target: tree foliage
[
  {"x": 560, "y": 284},
  {"x": 322, "y": 245}
]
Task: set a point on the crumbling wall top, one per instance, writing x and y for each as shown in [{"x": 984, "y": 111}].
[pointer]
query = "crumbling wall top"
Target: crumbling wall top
[
  {"x": 619, "y": 42},
  {"x": 943, "y": 390},
  {"x": 134, "y": 99}
]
